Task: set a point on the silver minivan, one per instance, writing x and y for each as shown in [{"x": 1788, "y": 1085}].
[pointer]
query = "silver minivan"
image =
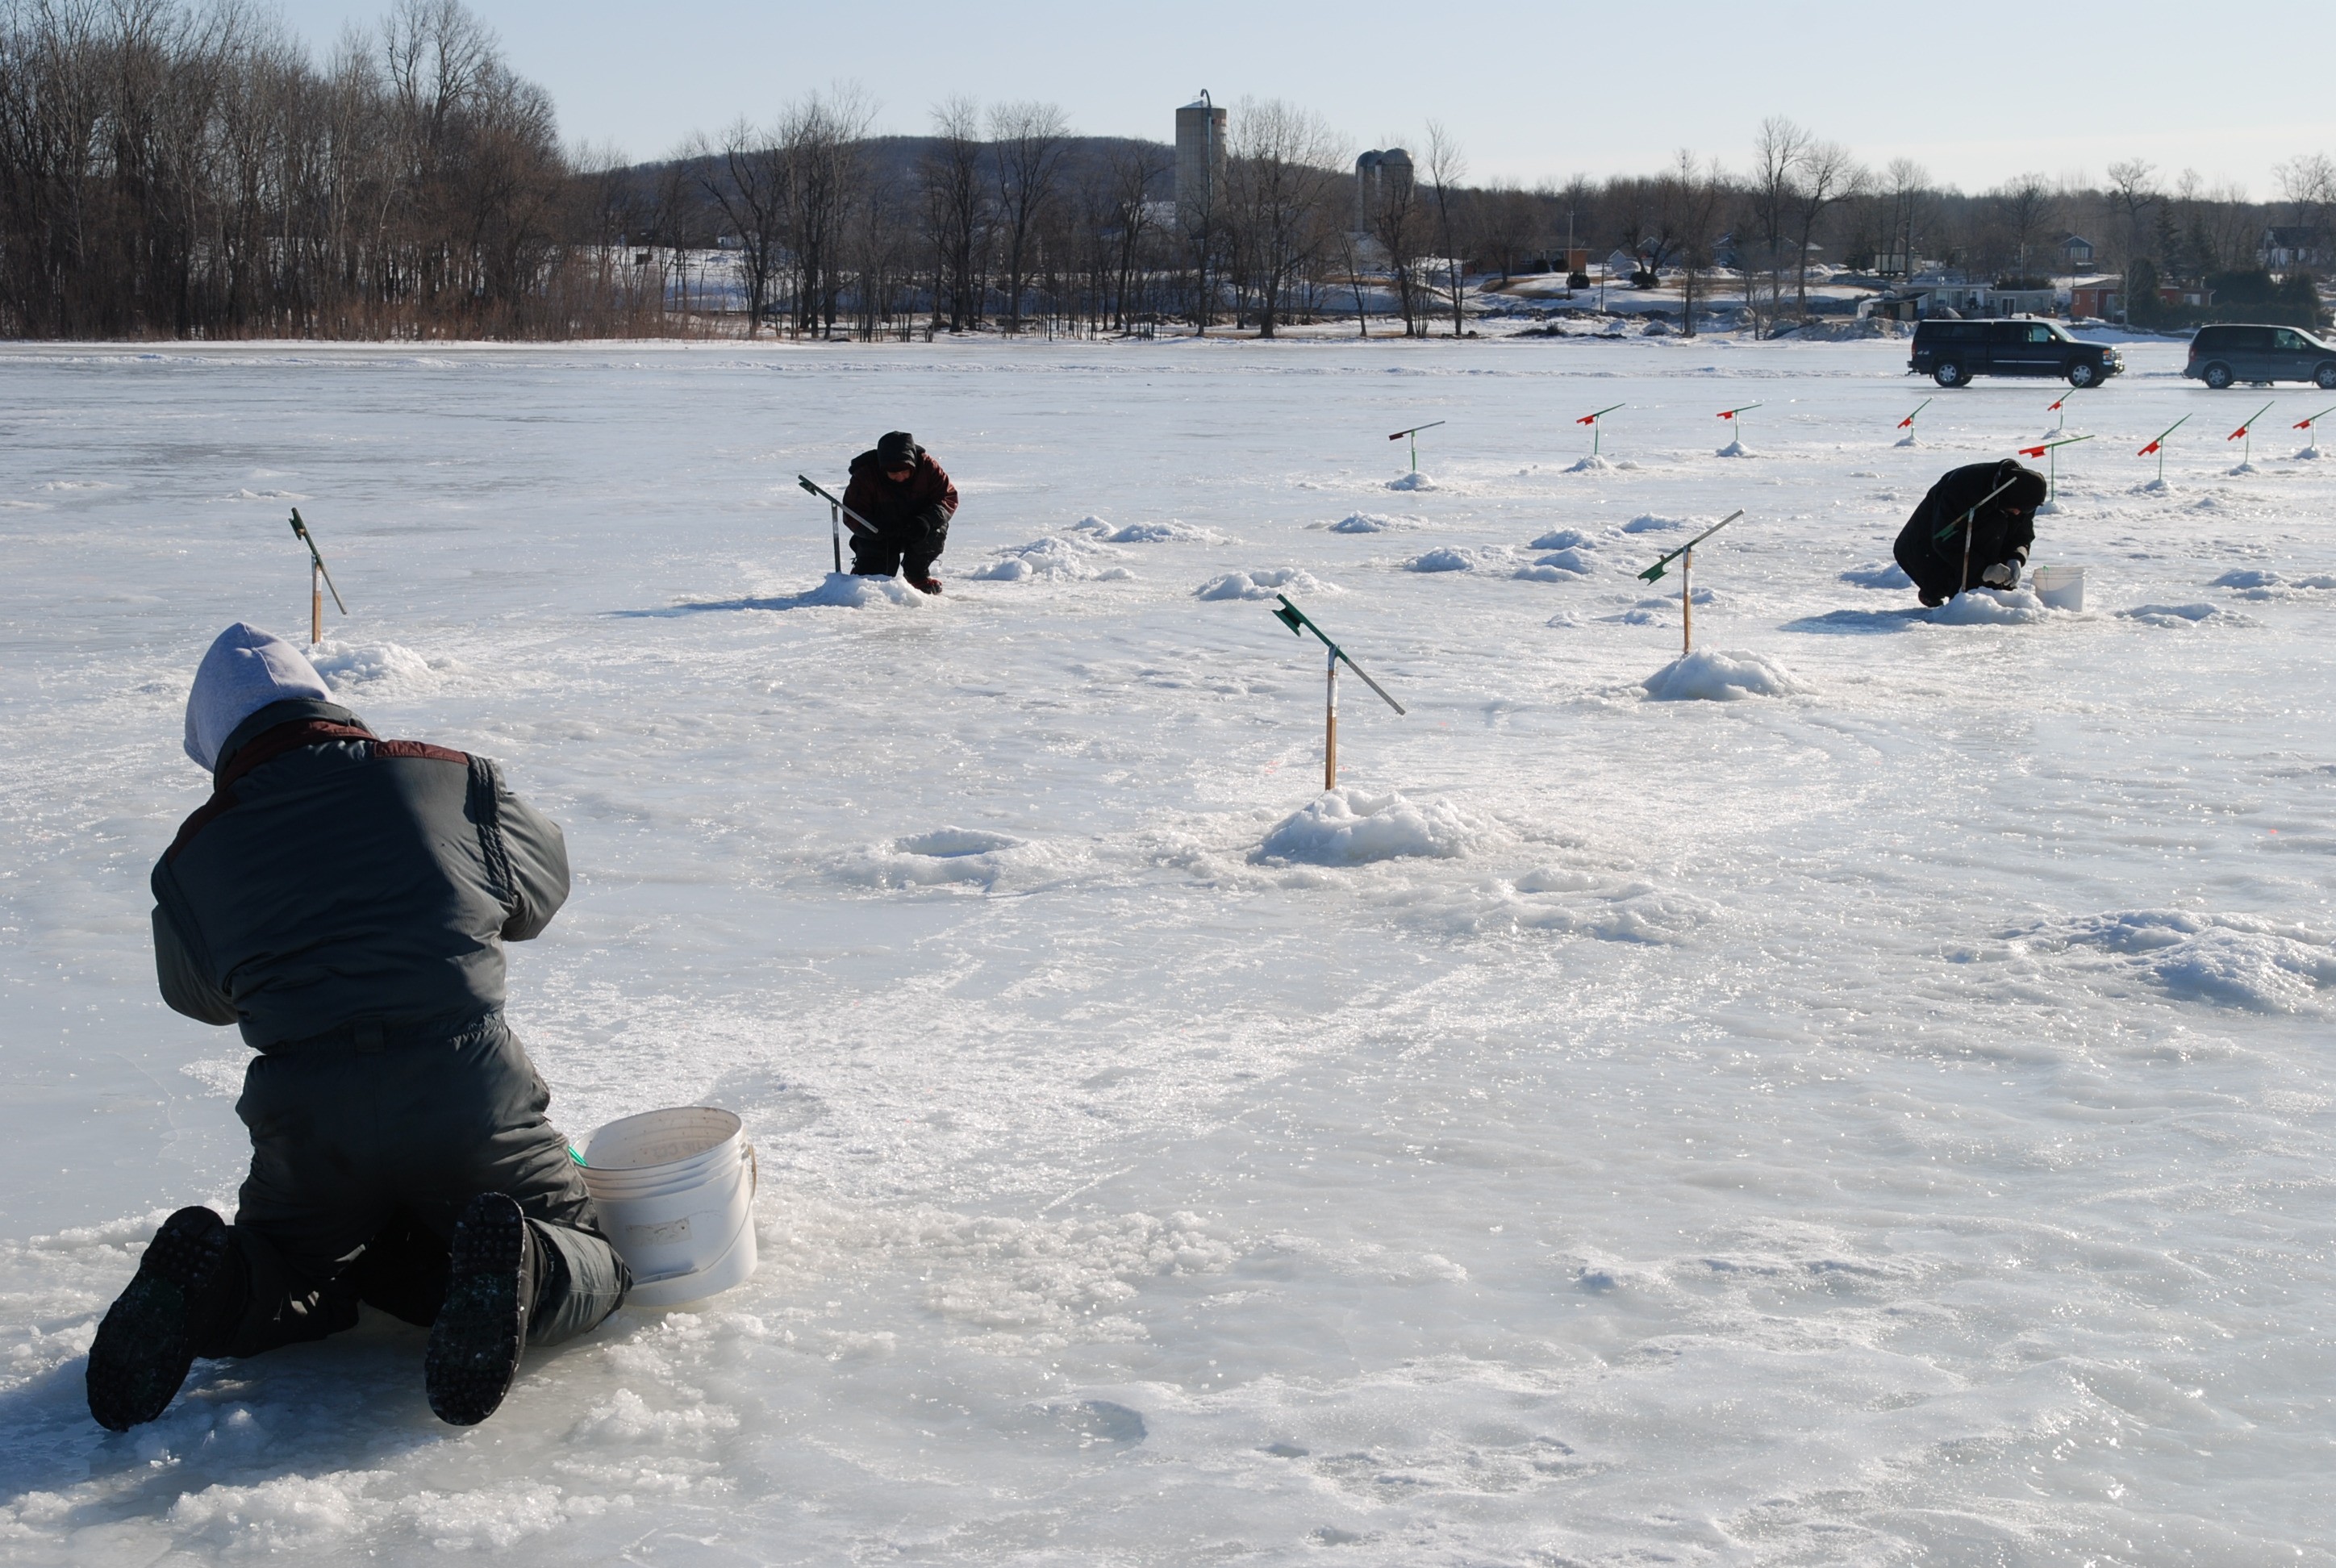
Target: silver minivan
[{"x": 2222, "y": 355}]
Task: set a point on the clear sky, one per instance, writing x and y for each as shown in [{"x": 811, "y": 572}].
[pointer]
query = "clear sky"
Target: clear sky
[{"x": 1978, "y": 93}]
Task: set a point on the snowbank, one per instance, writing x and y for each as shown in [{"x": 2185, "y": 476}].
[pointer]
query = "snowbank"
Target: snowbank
[
  {"x": 1558, "y": 566},
  {"x": 1069, "y": 558},
  {"x": 843, "y": 591},
  {"x": 382, "y": 669},
  {"x": 1346, "y": 827},
  {"x": 1168, "y": 533},
  {"x": 1706, "y": 677},
  {"x": 1445, "y": 557},
  {"x": 1374, "y": 522},
  {"x": 2228, "y": 959},
  {"x": 1736, "y": 448},
  {"x": 1412, "y": 482},
  {"x": 1565, "y": 539},
  {"x": 1649, "y": 523},
  {"x": 1263, "y": 582},
  {"x": 1878, "y": 574},
  {"x": 1990, "y": 606},
  {"x": 1595, "y": 464},
  {"x": 2178, "y": 614}
]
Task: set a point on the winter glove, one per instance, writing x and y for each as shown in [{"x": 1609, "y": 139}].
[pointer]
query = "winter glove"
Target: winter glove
[
  {"x": 932, "y": 524},
  {"x": 2002, "y": 574}
]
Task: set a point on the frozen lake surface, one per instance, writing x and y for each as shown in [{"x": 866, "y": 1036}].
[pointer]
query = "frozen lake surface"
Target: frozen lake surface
[{"x": 1884, "y": 1121}]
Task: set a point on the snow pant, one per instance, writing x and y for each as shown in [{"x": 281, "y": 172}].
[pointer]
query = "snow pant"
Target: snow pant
[
  {"x": 909, "y": 549},
  {"x": 366, "y": 1145}
]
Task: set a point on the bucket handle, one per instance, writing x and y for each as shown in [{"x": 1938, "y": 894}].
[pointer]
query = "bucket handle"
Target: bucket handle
[{"x": 753, "y": 1173}]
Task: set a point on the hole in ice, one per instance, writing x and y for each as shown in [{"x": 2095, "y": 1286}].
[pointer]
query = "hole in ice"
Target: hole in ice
[
  {"x": 1095, "y": 1421},
  {"x": 946, "y": 844},
  {"x": 1285, "y": 1449}
]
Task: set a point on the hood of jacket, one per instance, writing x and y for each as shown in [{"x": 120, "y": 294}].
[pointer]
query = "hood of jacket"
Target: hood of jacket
[{"x": 244, "y": 670}]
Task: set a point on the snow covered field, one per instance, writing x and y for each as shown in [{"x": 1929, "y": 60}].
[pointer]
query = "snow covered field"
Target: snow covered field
[{"x": 1887, "y": 1120}]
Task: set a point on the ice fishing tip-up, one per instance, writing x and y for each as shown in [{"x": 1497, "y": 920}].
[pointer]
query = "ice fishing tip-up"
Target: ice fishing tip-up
[
  {"x": 1295, "y": 619},
  {"x": 316, "y": 575},
  {"x": 838, "y": 514},
  {"x": 1655, "y": 572},
  {"x": 1416, "y": 429}
]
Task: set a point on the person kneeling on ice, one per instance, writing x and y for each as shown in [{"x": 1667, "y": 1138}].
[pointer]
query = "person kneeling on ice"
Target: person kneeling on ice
[
  {"x": 1973, "y": 529},
  {"x": 346, "y": 900},
  {"x": 902, "y": 493}
]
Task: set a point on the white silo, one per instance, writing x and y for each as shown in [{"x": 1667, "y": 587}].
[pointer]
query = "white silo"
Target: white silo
[{"x": 1200, "y": 160}]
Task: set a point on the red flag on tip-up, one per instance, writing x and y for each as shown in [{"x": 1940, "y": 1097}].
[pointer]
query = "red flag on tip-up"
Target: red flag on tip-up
[
  {"x": 2145, "y": 451},
  {"x": 2031, "y": 452},
  {"x": 1587, "y": 419}
]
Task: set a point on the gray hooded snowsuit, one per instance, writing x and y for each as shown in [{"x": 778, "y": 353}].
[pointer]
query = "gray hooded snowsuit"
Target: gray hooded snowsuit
[{"x": 344, "y": 900}]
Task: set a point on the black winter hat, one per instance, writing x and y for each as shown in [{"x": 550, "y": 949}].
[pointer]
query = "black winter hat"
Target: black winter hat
[{"x": 898, "y": 449}]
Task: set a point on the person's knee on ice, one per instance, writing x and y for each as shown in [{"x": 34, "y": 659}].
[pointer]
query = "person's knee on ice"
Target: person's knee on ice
[
  {"x": 1973, "y": 529},
  {"x": 346, "y": 901},
  {"x": 907, "y": 498}
]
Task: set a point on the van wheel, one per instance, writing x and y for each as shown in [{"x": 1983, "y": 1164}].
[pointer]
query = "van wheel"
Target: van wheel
[
  {"x": 2082, "y": 374},
  {"x": 2217, "y": 377},
  {"x": 2326, "y": 377},
  {"x": 1949, "y": 374}
]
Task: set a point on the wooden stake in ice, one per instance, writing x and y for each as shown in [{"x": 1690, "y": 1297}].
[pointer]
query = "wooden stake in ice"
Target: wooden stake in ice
[
  {"x": 837, "y": 515},
  {"x": 318, "y": 580},
  {"x": 1414, "y": 434},
  {"x": 2246, "y": 433},
  {"x": 1595, "y": 428},
  {"x": 2049, "y": 451},
  {"x": 1684, "y": 556},
  {"x": 2158, "y": 446},
  {"x": 1291, "y": 616}
]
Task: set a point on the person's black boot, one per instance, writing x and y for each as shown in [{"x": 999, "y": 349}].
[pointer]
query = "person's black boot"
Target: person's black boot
[
  {"x": 481, "y": 1330},
  {"x": 146, "y": 1344}
]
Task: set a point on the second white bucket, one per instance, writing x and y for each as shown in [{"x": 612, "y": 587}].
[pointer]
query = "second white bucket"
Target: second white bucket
[
  {"x": 676, "y": 1190},
  {"x": 2059, "y": 587}
]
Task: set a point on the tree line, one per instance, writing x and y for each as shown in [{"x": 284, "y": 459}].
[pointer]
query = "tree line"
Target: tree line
[{"x": 185, "y": 169}]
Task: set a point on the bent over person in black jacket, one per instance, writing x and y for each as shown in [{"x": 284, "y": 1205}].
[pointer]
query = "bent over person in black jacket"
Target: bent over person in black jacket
[
  {"x": 1931, "y": 548},
  {"x": 346, "y": 901}
]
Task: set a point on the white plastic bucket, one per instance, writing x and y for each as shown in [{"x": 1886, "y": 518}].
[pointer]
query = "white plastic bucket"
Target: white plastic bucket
[
  {"x": 2059, "y": 587},
  {"x": 675, "y": 1191}
]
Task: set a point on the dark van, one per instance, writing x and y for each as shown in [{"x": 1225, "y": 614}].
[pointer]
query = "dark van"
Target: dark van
[
  {"x": 1953, "y": 352},
  {"x": 2220, "y": 356}
]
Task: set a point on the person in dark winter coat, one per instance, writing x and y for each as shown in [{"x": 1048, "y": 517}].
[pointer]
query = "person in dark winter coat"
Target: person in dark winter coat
[
  {"x": 905, "y": 496},
  {"x": 344, "y": 900},
  {"x": 1931, "y": 548}
]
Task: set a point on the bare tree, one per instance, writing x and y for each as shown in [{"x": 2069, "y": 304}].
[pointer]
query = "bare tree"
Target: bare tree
[
  {"x": 1906, "y": 186},
  {"x": 1398, "y": 222},
  {"x": 2026, "y": 206},
  {"x": 2132, "y": 196},
  {"x": 1447, "y": 165},
  {"x": 956, "y": 211},
  {"x": 1778, "y": 155},
  {"x": 1029, "y": 164},
  {"x": 1828, "y": 176},
  {"x": 746, "y": 179},
  {"x": 1695, "y": 191},
  {"x": 1282, "y": 171}
]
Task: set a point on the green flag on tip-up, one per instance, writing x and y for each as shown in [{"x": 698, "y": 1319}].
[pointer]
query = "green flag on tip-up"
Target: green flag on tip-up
[{"x": 1655, "y": 573}]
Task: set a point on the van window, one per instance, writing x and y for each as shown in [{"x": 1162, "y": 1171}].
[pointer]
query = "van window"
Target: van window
[
  {"x": 2289, "y": 342},
  {"x": 2039, "y": 334}
]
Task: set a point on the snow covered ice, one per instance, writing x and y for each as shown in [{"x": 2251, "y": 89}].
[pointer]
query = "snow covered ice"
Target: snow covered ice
[{"x": 1888, "y": 1123}]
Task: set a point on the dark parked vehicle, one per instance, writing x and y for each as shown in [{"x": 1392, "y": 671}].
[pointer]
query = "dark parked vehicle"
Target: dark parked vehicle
[
  {"x": 2220, "y": 356},
  {"x": 1953, "y": 352}
]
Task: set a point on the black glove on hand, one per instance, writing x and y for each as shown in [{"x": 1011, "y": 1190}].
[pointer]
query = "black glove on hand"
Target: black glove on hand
[{"x": 2002, "y": 574}]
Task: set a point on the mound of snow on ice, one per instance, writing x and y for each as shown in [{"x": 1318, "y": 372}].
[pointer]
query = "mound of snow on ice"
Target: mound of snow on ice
[
  {"x": 2230, "y": 960},
  {"x": 1263, "y": 582},
  {"x": 1565, "y": 539},
  {"x": 1736, "y": 449},
  {"x": 1878, "y": 574},
  {"x": 1647, "y": 522},
  {"x": 1168, "y": 533},
  {"x": 2178, "y": 614},
  {"x": 1069, "y": 558},
  {"x": 1412, "y": 482},
  {"x": 1445, "y": 558},
  {"x": 843, "y": 591},
  {"x": 970, "y": 858},
  {"x": 1558, "y": 566},
  {"x": 1597, "y": 464},
  {"x": 1374, "y": 522},
  {"x": 1990, "y": 606},
  {"x": 1346, "y": 827},
  {"x": 381, "y": 668},
  {"x": 1706, "y": 676}
]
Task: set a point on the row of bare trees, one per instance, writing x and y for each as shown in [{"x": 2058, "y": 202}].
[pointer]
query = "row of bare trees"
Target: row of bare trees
[
  {"x": 183, "y": 168},
  {"x": 170, "y": 170}
]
